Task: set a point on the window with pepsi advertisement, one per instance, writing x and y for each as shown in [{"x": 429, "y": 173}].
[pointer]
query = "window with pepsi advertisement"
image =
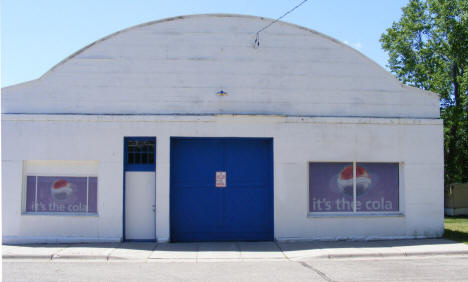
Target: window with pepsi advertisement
[
  {"x": 61, "y": 194},
  {"x": 353, "y": 187}
]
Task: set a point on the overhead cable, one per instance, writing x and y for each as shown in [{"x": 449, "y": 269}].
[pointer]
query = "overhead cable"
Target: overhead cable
[{"x": 257, "y": 34}]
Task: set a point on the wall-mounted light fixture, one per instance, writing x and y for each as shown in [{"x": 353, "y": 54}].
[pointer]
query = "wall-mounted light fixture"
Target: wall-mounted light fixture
[{"x": 221, "y": 93}]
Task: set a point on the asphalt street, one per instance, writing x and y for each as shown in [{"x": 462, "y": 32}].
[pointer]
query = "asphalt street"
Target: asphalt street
[{"x": 432, "y": 268}]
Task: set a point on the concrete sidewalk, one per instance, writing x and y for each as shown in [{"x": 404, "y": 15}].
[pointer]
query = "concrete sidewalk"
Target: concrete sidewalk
[{"x": 233, "y": 251}]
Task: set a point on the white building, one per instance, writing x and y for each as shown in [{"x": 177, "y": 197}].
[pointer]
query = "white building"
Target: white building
[{"x": 299, "y": 138}]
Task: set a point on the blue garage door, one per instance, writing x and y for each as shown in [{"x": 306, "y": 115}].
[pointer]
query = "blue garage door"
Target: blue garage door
[{"x": 241, "y": 211}]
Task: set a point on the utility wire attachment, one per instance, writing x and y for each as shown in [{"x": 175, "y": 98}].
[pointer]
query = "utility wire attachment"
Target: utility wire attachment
[
  {"x": 257, "y": 34},
  {"x": 257, "y": 41}
]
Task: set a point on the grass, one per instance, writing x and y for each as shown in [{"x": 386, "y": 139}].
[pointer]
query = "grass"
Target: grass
[{"x": 456, "y": 228}]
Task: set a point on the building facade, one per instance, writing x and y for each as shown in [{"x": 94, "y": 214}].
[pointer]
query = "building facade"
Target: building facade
[{"x": 184, "y": 130}]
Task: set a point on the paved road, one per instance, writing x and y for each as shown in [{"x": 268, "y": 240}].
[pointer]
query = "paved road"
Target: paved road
[{"x": 446, "y": 268}]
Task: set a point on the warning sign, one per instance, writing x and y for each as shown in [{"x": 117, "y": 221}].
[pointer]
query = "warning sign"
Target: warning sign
[{"x": 220, "y": 179}]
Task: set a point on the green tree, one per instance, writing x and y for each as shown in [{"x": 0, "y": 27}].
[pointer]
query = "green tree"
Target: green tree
[{"x": 428, "y": 49}]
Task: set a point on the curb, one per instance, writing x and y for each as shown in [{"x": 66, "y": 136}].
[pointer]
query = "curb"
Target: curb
[
  {"x": 32, "y": 257},
  {"x": 436, "y": 253},
  {"x": 325, "y": 256},
  {"x": 385, "y": 255},
  {"x": 79, "y": 257},
  {"x": 54, "y": 257}
]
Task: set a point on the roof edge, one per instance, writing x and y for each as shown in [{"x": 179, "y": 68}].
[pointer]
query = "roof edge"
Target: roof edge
[
  {"x": 221, "y": 15},
  {"x": 209, "y": 15}
]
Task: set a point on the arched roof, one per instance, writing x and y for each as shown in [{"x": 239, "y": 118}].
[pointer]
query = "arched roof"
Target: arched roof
[{"x": 178, "y": 65}]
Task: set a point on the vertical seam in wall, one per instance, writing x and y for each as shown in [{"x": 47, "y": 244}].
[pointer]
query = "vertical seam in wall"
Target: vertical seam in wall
[
  {"x": 354, "y": 187},
  {"x": 154, "y": 187},
  {"x": 35, "y": 198},
  {"x": 87, "y": 194}
]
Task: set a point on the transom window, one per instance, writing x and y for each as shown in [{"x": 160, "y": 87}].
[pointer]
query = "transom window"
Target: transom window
[{"x": 140, "y": 153}]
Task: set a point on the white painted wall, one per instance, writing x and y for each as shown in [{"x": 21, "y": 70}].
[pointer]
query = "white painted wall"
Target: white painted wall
[
  {"x": 175, "y": 66},
  {"x": 318, "y": 98},
  {"x": 415, "y": 143}
]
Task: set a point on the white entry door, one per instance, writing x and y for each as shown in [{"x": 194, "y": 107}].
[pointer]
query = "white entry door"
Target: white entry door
[{"x": 140, "y": 214}]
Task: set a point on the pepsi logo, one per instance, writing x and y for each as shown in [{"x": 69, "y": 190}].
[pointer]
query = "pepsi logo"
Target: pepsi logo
[
  {"x": 61, "y": 190},
  {"x": 345, "y": 181}
]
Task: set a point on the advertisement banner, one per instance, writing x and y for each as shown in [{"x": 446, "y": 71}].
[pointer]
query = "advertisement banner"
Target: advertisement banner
[
  {"x": 331, "y": 187},
  {"x": 59, "y": 194}
]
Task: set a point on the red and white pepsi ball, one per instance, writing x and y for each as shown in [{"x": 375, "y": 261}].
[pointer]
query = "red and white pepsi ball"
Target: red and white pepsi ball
[
  {"x": 61, "y": 190},
  {"x": 345, "y": 180}
]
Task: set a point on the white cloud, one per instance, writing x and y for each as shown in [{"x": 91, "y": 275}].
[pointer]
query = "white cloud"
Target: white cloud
[{"x": 356, "y": 45}]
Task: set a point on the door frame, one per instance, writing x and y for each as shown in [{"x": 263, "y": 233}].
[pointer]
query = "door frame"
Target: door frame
[
  {"x": 270, "y": 168},
  {"x": 127, "y": 167}
]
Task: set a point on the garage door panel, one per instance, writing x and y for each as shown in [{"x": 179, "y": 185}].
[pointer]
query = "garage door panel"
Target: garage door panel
[
  {"x": 197, "y": 160},
  {"x": 246, "y": 185},
  {"x": 247, "y": 161},
  {"x": 203, "y": 212},
  {"x": 190, "y": 185},
  {"x": 227, "y": 236},
  {"x": 243, "y": 210}
]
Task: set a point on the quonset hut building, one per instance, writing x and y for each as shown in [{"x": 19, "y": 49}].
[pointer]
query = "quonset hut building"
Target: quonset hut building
[{"x": 182, "y": 130}]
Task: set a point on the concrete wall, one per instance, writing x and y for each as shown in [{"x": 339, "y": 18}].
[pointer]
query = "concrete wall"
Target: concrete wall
[
  {"x": 417, "y": 144},
  {"x": 176, "y": 66}
]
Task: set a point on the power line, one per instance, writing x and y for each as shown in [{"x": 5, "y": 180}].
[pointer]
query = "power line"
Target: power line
[
  {"x": 257, "y": 34},
  {"x": 285, "y": 14}
]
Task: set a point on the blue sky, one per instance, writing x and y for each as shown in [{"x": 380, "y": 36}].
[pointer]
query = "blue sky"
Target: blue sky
[{"x": 37, "y": 34}]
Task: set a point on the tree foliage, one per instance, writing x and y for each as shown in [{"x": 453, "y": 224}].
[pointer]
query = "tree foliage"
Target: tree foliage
[{"x": 428, "y": 49}]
